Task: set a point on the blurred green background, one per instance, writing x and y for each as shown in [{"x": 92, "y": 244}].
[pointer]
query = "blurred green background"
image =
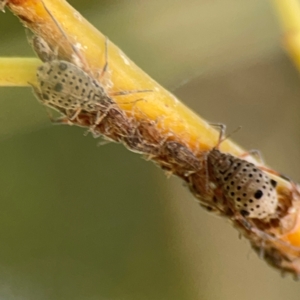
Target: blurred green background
[{"x": 79, "y": 221}]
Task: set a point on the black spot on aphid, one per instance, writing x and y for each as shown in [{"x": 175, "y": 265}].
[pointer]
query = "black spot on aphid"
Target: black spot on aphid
[
  {"x": 232, "y": 182},
  {"x": 239, "y": 187},
  {"x": 227, "y": 187},
  {"x": 260, "y": 175},
  {"x": 58, "y": 87},
  {"x": 258, "y": 194},
  {"x": 273, "y": 183},
  {"x": 63, "y": 66},
  {"x": 63, "y": 80},
  {"x": 42, "y": 83},
  {"x": 250, "y": 175},
  {"x": 45, "y": 97},
  {"x": 257, "y": 180},
  {"x": 74, "y": 77},
  {"x": 80, "y": 80},
  {"x": 251, "y": 200},
  {"x": 55, "y": 77},
  {"x": 258, "y": 206},
  {"x": 245, "y": 204},
  {"x": 232, "y": 194},
  {"x": 77, "y": 87},
  {"x": 71, "y": 82},
  {"x": 238, "y": 199},
  {"x": 254, "y": 170},
  {"x": 244, "y": 195},
  {"x": 59, "y": 73},
  {"x": 244, "y": 170},
  {"x": 244, "y": 213}
]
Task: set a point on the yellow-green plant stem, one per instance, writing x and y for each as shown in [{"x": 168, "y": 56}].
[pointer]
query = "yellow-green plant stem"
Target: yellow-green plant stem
[
  {"x": 15, "y": 71},
  {"x": 289, "y": 15}
]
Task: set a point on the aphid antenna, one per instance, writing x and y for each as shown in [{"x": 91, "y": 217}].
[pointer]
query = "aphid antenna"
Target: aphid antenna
[
  {"x": 222, "y": 136},
  {"x": 77, "y": 53}
]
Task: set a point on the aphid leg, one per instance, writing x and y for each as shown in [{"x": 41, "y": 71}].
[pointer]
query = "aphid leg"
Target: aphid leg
[
  {"x": 37, "y": 92},
  {"x": 104, "y": 71},
  {"x": 262, "y": 248},
  {"x": 255, "y": 153},
  {"x": 122, "y": 93},
  {"x": 222, "y": 129},
  {"x": 99, "y": 117},
  {"x": 77, "y": 53},
  {"x": 58, "y": 121},
  {"x": 206, "y": 172},
  {"x": 105, "y": 67},
  {"x": 262, "y": 235},
  {"x": 102, "y": 114},
  {"x": 222, "y": 136},
  {"x": 74, "y": 114},
  {"x": 271, "y": 171}
]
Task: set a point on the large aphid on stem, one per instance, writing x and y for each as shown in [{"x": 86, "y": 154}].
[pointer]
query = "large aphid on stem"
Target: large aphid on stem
[
  {"x": 67, "y": 85},
  {"x": 248, "y": 188},
  {"x": 63, "y": 84}
]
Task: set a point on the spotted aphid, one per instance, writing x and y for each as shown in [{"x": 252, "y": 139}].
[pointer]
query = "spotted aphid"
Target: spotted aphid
[
  {"x": 65, "y": 85},
  {"x": 62, "y": 84},
  {"x": 249, "y": 189}
]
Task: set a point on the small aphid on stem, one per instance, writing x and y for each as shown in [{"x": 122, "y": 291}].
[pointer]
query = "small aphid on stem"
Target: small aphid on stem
[{"x": 248, "y": 189}]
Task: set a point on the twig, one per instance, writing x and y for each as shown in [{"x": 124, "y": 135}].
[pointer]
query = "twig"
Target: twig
[{"x": 160, "y": 127}]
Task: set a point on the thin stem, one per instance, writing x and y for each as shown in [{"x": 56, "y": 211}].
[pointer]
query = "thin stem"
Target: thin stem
[{"x": 15, "y": 71}]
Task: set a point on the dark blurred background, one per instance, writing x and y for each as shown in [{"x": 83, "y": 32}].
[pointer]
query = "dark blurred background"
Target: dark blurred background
[{"x": 79, "y": 221}]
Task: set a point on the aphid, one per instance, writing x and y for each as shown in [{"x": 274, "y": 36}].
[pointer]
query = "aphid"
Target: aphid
[
  {"x": 66, "y": 85},
  {"x": 249, "y": 189}
]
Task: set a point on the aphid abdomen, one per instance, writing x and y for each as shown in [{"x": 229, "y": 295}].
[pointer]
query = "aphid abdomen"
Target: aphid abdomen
[
  {"x": 67, "y": 86},
  {"x": 251, "y": 191}
]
